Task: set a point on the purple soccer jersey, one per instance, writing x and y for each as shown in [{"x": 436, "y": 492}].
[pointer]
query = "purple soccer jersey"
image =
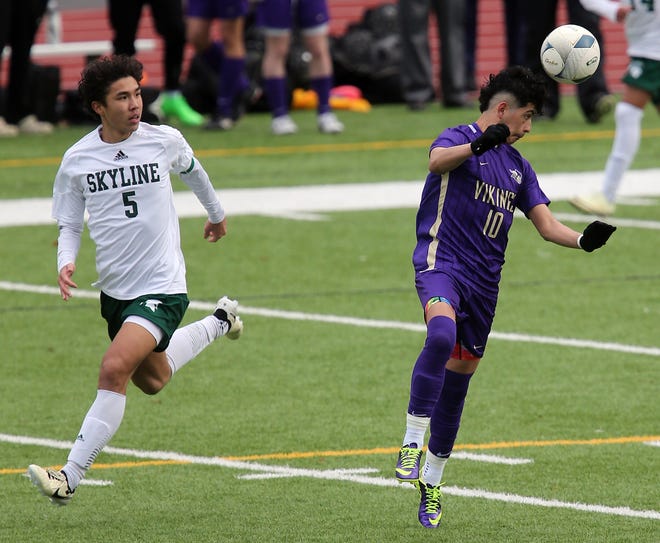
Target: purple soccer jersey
[
  {"x": 279, "y": 15},
  {"x": 464, "y": 216}
]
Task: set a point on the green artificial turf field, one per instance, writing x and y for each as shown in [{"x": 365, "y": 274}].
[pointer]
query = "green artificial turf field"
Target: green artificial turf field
[{"x": 290, "y": 434}]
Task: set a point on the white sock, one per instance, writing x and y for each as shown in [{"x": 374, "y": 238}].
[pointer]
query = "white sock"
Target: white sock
[
  {"x": 433, "y": 468},
  {"x": 187, "y": 342},
  {"x": 100, "y": 424},
  {"x": 624, "y": 148},
  {"x": 415, "y": 430}
]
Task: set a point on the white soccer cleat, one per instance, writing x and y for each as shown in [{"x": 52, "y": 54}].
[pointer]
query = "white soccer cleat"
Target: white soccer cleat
[
  {"x": 593, "y": 204},
  {"x": 51, "y": 483},
  {"x": 329, "y": 124},
  {"x": 32, "y": 125},
  {"x": 7, "y": 130},
  {"x": 226, "y": 310},
  {"x": 283, "y": 125}
]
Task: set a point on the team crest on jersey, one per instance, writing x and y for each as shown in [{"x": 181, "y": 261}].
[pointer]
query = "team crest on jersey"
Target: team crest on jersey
[
  {"x": 152, "y": 304},
  {"x": 120, "y": 155},
  {"x": 516, "y": 176}
]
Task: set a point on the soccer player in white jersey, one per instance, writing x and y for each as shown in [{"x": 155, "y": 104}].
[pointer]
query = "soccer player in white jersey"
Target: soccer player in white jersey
[
  {"x": 120, "y": 174},
  {"x": 641, "y": 85}
]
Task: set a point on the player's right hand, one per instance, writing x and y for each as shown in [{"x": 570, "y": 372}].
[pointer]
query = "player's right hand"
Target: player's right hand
[
  {"x": 65, "y": 282},
  {"x": 492, "y": 136},
  {"x": 214, "y": 231}
]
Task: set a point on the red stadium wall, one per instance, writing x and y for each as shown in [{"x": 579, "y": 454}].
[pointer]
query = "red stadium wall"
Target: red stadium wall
[{"x": 82, "y": 28}]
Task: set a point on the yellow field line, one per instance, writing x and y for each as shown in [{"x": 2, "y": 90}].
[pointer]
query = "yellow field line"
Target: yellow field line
[
  {"x": 467, "y": 446},
  {"x": 342, "y": 147},
  {"x": 14, "y": 471},
  {"x": 375, "y": 451}
]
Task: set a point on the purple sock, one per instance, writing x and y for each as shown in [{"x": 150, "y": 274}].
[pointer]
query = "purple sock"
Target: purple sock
[
  {"x": 322, "y": 87},
  {"x": 446, "y": 416},
  {"x": 429, "y": 371},
  {"x": 214, "y": 55},
  {"x": 229, "y": 84},
  {"x": 276, "y": 94}
]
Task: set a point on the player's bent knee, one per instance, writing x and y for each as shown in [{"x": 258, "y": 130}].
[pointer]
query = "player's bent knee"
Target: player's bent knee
[
  {"x": 441, "y": 336},
  {"x": 149, "y": 386}
]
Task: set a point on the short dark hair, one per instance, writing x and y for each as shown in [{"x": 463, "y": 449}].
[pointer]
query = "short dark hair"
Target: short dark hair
[
  {"x": 519, "y": 81},
  {"x": 97, "y": 77}
]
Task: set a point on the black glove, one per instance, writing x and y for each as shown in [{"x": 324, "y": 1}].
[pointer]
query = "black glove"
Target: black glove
[
  {"x": 492, "y": 136},
  {"x": 595, "y": 235}
]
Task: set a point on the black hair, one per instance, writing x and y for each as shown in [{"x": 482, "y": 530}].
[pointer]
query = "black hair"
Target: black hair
[
  {"x": 519, "y": 81},
  {"x": 97, "y": 77}
]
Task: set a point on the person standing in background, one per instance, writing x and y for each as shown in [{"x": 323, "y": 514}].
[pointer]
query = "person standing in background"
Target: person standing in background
[
  {"x": 168, "y": 17},
  {"x": 516, "y": 32},
  {"x": 227, "y": 58},
  {"x": 416, "y": 69},
  {"x": 311, "y": 17},
  {"x": 19, "y": 21}
]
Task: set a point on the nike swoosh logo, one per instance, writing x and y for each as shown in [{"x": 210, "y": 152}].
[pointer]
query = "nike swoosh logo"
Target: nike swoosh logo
[{"x": 403, "y": 471}]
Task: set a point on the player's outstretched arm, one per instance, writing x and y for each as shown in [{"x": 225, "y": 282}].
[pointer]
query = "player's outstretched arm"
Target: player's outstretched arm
[{"x": 594, "y": 236}]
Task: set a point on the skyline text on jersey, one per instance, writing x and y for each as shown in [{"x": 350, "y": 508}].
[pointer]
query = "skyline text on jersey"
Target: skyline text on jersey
[{"x": 116, "y": 178}]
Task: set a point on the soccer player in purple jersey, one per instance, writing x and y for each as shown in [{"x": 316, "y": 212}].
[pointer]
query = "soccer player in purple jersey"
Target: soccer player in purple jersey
[
  {"x": 227, "y": 58},
  {"x": 476, "y": 181},
  {"x": 311, "y": 16}
]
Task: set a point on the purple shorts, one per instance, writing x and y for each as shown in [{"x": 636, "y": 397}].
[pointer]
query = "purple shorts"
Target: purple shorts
[
  {"x": 281, "y": 15},
  {"x": 217, "y": 9},
  {"x": 474, "y": 310}
]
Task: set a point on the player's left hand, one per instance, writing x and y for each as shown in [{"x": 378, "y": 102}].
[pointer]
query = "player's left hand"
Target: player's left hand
[
  {"x": 214, "y": 231},
  {"x": 595, "y": 235}
]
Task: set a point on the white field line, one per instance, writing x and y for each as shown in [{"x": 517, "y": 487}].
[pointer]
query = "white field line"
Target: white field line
[
  {"x": 491, "y": 458},
  {"x": 96, "y": 482},
  {"x": 158, "y": 455},
  {"x": 616, "y": 221},
  {"x": 459, "y": 455},
  {"x": 364, "y": 323},
  {"x": 349, "y": 476},
  {"x": 308, "y": 201},
  {"x": 341, "y": 471}
]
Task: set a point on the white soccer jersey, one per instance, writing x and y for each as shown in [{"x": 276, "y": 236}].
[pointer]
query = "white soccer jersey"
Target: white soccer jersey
[
  {"x": 125, "y": 188},
  {"x": 642, "y": 25}
]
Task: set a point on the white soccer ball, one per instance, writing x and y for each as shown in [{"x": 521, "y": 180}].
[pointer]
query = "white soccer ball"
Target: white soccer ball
[{"x": 570, "y": 54}]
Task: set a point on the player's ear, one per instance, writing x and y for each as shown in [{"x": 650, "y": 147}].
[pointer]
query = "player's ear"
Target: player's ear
[
  {"x": 501, "y": 108},
  {"x": 96, "y": 107}
]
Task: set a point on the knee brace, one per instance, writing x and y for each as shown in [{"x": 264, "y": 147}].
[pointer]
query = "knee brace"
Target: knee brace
[{"x": 441, "y": 336}]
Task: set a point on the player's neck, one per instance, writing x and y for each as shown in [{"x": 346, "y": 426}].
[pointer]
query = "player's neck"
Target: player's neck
[{"x": 108, "y": 135}]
